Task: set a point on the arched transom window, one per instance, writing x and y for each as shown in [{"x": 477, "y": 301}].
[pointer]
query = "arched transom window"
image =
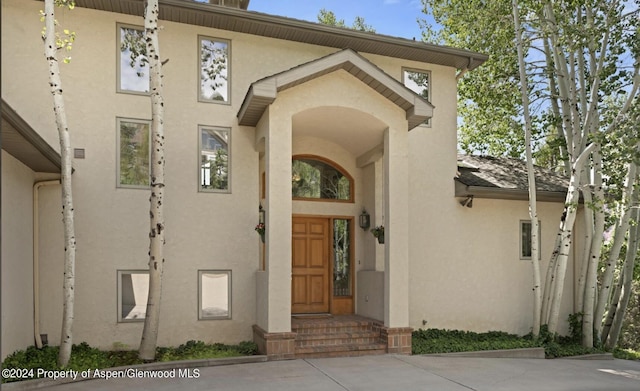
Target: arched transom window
[{"x": 315, "y": 178}]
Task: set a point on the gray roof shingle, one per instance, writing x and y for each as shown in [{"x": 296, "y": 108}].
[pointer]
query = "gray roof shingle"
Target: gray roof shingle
[{"x": 502, "y": 177}]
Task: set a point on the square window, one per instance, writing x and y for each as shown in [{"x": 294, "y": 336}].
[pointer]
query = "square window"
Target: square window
[
  {"x": 133, "y": 290},
  {"x": 214, "y": 159},
  {"x": 213, "y": 70},
  {"x": 418, "y": 82},
  {"x": 133, "y": 67},
  {"x": 525, "y": 239},
  {"x": 214, "y": 294},
  {"x": 134, "y": 157}
]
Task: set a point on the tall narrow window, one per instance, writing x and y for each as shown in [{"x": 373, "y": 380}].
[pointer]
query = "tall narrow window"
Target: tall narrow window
[
  {"x": 214, "y": 294},
  {"x": 133, "y": 290},
  {"x": 214, "y": 70},
  {"x": 133, "y": 153},
  {"x": 315, "y": 178},
  {"x": 214, "y": 159},
  {"x": 133, "y": 68},
  {"x": 418, "y": 82},
  {"x": 341, "y": 257},
  {"x": 525, "y": 239}
]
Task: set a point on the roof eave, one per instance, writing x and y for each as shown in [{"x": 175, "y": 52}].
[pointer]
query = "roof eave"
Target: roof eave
[
  {"x": 279, "y": 27},
  {"x": 21, "y": 141},
  {"x": 462, "y": 190}
]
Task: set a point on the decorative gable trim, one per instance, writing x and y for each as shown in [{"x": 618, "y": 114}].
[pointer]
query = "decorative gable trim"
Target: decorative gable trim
[{"x": 263, "y": 92}]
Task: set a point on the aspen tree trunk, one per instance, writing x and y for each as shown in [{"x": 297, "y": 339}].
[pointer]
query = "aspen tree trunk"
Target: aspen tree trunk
[
  {"x": 549, "y": 286},
  {"x": 618, "y": 240},
  {"x": 582, "y": 265},
  {"x": 566, "y": 237},
  {"x": 627, "y": 276},
  {"x": 533, "y": 214},
  {"x": 589, "y": 320},
  {"x": 149, "y": 338},
  {"x": 555, "y": 108},
  {"x": 611, "y": 312},
  {"x": 55, "y": 82}
]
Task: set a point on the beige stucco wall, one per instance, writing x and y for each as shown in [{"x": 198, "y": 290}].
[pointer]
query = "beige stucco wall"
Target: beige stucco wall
[
  {"x": 488, "y": 287},
  {"x": 209, "y": 231},
  {"x": 205, "y": 231},
  {"x": 17, "y": 255}
]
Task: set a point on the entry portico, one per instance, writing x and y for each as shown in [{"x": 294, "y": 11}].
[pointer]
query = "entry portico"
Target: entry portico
[{"x": 343, "y": 108}]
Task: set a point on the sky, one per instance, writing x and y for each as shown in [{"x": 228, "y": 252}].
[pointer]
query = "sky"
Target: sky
[{"x": 397, "y": 18}]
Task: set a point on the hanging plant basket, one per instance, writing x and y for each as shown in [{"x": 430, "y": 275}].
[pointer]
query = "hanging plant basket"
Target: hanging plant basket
[
  {"x": 260, "y": 229},
  {"x": 378, "y": 232}
]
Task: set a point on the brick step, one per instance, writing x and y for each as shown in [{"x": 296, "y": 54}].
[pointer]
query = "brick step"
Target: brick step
[
  {"x": 342, "y": 350},
  {"x": 357, "y": 337},
  {"x": 334, "y": 327}
]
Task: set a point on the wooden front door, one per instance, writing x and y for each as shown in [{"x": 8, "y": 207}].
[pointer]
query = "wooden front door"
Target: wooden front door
[{"x": 310, "y": 265}]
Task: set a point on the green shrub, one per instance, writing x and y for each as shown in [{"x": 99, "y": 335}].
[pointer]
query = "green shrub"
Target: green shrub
[
  {"x": 85, "y": 357},
  {"x": 192, "y": 350},
  {"x": 432, "y": 341},
  {"x": 626, "y": 354},
  {"x": 448, "y": 341}
]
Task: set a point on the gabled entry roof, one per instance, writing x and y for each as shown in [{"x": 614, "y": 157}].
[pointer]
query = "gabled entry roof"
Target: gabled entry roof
[{"x": 263, "y": 92}]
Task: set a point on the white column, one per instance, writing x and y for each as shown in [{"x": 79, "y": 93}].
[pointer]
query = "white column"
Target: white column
[
  {"x": 278, "y": 222},
  {"x": 396, "y": 210}
]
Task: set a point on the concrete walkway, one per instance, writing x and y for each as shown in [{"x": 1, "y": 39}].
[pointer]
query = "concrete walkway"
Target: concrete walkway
[{"x": 390, "y": 372}]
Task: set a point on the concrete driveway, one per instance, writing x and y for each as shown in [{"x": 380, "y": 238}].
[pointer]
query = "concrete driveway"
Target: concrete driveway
[{"x": 390, "y": 372}]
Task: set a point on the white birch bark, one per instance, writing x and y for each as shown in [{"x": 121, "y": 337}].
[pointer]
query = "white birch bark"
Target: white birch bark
[
  {"x": 582, "y": 265},
  {"x": 149, "y": 338},
  {"x": 591, "y": 280},
  {"x": 611, "y": 312},
  {"x": 549, "y": 285},
  {"x": 566, "y": 236},
  {"x": 533, "y": 214},
  {"x": 555, "y": 107},
  {"x": 612, "y": 259},
  {"x": 627, "y": 276},
  {"x": 55, "y": 82}
]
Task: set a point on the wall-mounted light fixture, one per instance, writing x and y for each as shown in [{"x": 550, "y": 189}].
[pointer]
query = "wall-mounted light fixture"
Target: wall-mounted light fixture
[
  {"x": 261, "y": 212},
  {"x": 468, "y": 202},
  {"x": 364, "y": 220}
]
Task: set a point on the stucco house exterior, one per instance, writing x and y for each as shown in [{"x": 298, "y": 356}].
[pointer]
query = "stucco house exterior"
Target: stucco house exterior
[{"x": 303, "y": 127}]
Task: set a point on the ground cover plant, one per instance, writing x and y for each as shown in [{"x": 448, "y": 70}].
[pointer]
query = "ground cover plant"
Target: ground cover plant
[
  {"x": 85, "y": 357},
  {"x": 432, "y": 341},
  {"x": 626, "y": 354}
]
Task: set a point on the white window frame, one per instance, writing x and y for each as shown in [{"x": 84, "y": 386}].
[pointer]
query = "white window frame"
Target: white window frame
[
  {"x": 521, "y": 242},
  {"x": 199, "y": 64},
  {"x": 426, "y": 123},
  {"x": 201, "y": 314},
  {"x": 119, "y": 89},
  {"x": 201, "y": 128},
  {"x": 119, "y": 120},
  {"x": 120, "y": 274}
]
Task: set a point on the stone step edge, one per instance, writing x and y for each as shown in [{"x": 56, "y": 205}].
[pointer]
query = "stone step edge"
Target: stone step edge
[
  {"x": 316, "y": 325},
  {"x": 340, "y": 348},
  {"x": 352, "y": 334},
  {"x": 350, "y": 353},
  {"x": 338, "y": 328}
]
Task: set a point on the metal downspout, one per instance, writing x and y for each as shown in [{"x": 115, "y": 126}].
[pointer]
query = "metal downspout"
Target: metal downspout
[
  {"x": 36, "y": 259},
  {"x": 465, "y": 70}
]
